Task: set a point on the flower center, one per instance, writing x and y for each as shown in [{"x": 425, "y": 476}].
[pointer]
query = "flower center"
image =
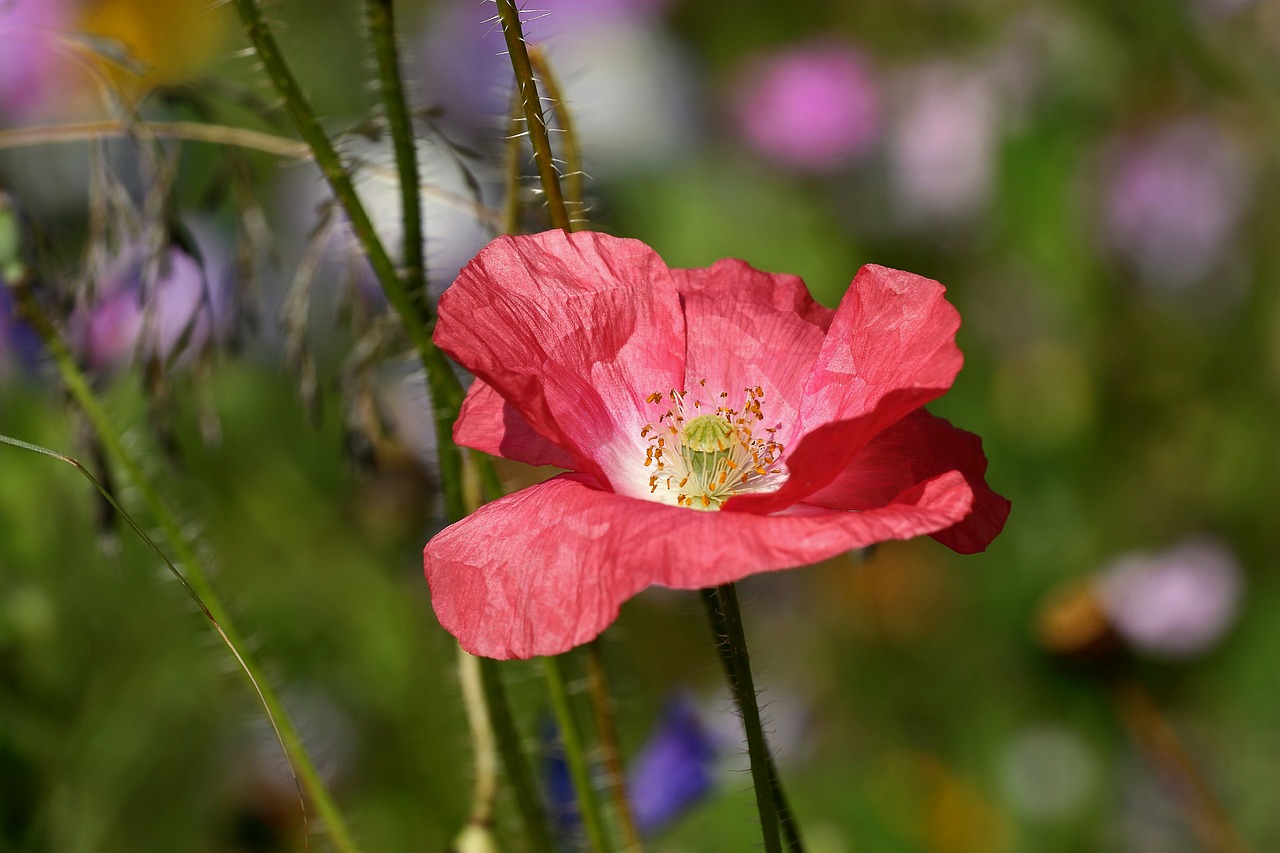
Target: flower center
[{"x": 702, "y": 460}]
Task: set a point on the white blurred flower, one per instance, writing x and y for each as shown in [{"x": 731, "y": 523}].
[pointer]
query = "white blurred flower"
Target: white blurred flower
[
  {"x": 1049, "y": 772},
  {"x": 942, "y": 142}
]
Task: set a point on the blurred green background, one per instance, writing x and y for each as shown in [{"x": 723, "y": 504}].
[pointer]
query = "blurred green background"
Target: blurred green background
[{"x": 1094, "y": 182}]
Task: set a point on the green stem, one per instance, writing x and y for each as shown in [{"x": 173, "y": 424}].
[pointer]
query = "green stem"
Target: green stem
[
  {"x": 731, "y": 642},
  {"x": 196, "y": 576},
  {"x": 513, "y": 758},
  {"x": 602, "y": 705},
  {"x": 535, "y": 122},
  {"x": 511, "y": 207},
  {"x": 575, "y": 754},
  {"x": 446, "y": 390},
  {"x": 382, "y": 28}
]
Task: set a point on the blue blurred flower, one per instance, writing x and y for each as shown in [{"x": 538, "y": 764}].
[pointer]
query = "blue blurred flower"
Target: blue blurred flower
[
  {"x": 672, "y": 771},
  {"x": 19, "y": 344}
]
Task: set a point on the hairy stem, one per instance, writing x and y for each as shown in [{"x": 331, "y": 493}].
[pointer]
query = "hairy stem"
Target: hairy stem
[
  {"x": 535, "y": 121},
  {"x": 382, "y": 28},
  {"x": 575, "y": 754},
  {"x": 726, "y": 625}
]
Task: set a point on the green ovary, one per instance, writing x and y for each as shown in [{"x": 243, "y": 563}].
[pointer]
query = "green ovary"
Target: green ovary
[{"x": 707, "y": 441}]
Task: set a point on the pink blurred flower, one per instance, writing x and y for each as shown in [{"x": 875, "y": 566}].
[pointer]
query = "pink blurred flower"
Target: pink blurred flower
[
  {"x": 168, "y": 312},
  {"x": 1175, "y": 603},
  {"x": 32, "y": 64},
  {"x": 1174, "y": 195},
  {"x": 813, "y": 107},
  {"x": 715, "y": 422}
]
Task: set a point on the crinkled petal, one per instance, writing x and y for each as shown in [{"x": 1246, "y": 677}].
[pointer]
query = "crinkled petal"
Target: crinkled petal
[
  {"x": 749, "y": 328},
  {"x": 918, "y": 447},
  {"x": 574, "y": 330},
  {"x": 890, "y": 349},
  {"x": 546, "y": 569},
  {"x": 491, "y": 424}
]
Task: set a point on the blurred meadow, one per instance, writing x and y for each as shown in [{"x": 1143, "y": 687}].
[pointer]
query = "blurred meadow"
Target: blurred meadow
[{"x": 1095, "y": 184}]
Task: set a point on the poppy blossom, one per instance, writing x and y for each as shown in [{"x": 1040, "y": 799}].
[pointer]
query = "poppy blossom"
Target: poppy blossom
[{"x": 714, "y": 423}]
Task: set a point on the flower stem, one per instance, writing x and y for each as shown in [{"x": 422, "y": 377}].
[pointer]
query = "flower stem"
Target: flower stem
[
  {"x": 575, "y": 754},
  {"x": 731, "y": 642},
  {"x": 535, "y": 122},
  {"x": 382, "y": 29},
  {"x": 602, "y": 705},
  {"x": 196, "y": 579},
  {"x": 1152, "y": 732}
]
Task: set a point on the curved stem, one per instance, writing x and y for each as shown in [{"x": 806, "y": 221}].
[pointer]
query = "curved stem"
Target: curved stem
[
  {"x": 196, "y": 579},
  {"x": 575, "y": 754},
  {"x": 564, "y": 118},
  {"x": 726, "y": 625},
  {"x": 535, "y": 122}
]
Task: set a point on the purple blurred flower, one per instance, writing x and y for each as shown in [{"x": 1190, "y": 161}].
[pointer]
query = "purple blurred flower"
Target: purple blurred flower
[
  {"x": 812, "y": 107},
  {"x": 1173, "y": 198},
  {"x": 672, "y": 771},
  {"x": 168, "y": 309},
  {"x": 942, "y": 143},
  {"x": 31, "y": 63},
  {"x": 1176, "y": 603}
]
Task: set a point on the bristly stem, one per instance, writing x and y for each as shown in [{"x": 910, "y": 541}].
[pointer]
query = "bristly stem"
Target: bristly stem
[
  {"x": 196, "y": 576},
  {"x": 535, "y": 121},
  {"x": 615, "y": 778},
  {"x": 382, "y": 28},
  {"x": 725, "y": 616},
  {"x": 575, "y": 755},
  {"x": 572, "y": 151}
]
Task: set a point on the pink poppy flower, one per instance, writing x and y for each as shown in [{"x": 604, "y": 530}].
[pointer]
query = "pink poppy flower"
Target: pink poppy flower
[{"x": 714, "y": 423}]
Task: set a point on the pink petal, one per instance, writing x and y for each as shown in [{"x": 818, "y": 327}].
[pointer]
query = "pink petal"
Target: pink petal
[
  {"x": 491, "y": 424},
  {"x": 890, "y": 349},
  {"x": 574, "y": 330},
  {"x": 751, "y": 328},
  {"x": 546, "y": 569},
  {"x": 916, "y": 448}
]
